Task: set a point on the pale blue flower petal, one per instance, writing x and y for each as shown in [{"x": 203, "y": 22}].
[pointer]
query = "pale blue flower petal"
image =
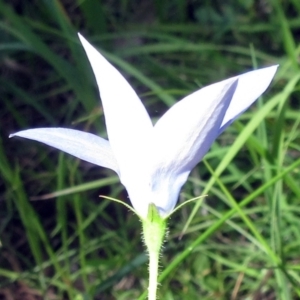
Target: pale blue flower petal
[
  {"x": 83, "y": 145},
  {"x": 180, "y": 139},
  {"x": 183, "y": 135},
  {"x": 154, "y": 162},
  {"x": 127, "y": 121},
  {"x": 251, "y": 85}
]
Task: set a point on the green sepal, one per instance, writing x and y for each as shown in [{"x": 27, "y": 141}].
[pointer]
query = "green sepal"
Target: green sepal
[
  {"x": 184, "y": 203},
  {"x": 154, "y": 229},
  {"x": 121, "y": 202}
]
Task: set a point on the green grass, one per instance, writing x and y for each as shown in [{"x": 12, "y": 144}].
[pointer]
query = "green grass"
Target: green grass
[{"x": 60, "y": 240}]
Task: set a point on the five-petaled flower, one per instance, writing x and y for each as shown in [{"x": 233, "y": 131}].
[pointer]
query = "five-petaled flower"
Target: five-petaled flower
[{"x": 153, "y": 162}]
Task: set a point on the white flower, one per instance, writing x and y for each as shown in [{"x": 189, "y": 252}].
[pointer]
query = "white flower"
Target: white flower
[{"x": 153, "y": 162}]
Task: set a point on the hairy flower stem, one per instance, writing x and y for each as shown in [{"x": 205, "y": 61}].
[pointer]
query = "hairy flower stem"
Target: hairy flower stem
[
  {"x": 154, "y": 230},
  {"x": 153, "y": 274}
]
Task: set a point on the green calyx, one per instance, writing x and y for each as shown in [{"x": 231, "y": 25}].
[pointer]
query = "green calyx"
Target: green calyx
[{"x": 154, "y": 228}]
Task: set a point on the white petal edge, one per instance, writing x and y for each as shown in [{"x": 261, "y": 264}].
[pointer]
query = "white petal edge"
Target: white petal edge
[
  {"x": 251, "y": 85},
  {"x": 127, "y": 121},
  {"x": 80, "y": 144}
]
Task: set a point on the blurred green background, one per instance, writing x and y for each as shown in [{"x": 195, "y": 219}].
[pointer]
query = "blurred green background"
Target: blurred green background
[{"x": 59, "y": 240}]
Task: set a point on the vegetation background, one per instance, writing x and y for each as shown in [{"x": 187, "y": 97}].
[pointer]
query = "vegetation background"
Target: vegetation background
[{"x": 59, "y": 240}]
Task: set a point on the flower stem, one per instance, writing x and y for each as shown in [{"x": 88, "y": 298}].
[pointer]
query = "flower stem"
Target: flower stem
[
  {"x": 154, "y": 229},
  {"x": 153, "y": 274}
]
